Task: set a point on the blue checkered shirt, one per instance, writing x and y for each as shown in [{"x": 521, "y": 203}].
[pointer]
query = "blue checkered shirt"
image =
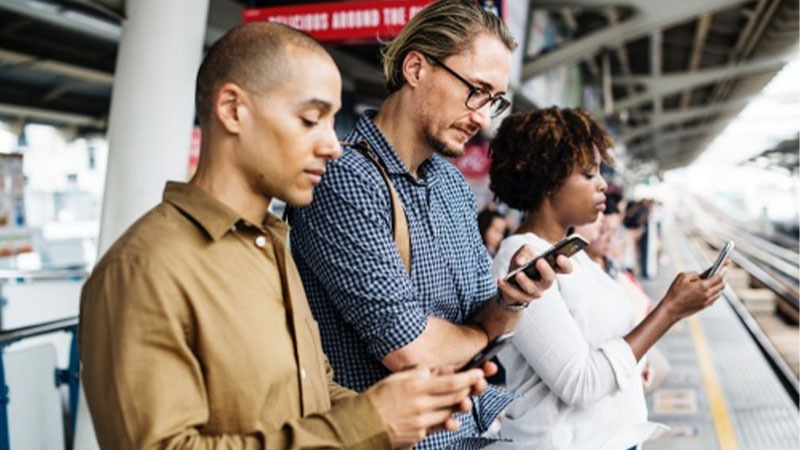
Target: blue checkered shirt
[{"x": 359, "y": 291}]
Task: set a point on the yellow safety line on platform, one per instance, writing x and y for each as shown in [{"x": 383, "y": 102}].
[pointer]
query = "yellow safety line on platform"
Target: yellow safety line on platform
[{"x": 726, "y": 436}]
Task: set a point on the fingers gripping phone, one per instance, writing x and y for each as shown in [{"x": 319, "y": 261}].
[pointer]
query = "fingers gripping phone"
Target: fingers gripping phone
[
  {"x": 490, "y": 351},
  {"x": 711, "y": 271},
  {"x": 567, "y": 247}
]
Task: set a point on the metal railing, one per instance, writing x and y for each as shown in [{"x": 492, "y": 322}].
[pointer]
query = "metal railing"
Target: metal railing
[
  {"x": 69, "y": 376},
  {"x": 15, "y": 334},
  {"x": 42, "y": 274}
]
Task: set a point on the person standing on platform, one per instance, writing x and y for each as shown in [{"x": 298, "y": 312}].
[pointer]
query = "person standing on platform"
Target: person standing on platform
[
  {"x": 575, "y": 357},
  {"x": 382, "y": 308},
  {"x": 195, "y": 331}
]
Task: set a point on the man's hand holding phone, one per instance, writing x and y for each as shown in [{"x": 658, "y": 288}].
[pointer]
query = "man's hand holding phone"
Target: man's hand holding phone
[
  {"x": 415, "y": 402},
  {"x": 502, "y": 314},
  {"x": 526, "y": 283}
]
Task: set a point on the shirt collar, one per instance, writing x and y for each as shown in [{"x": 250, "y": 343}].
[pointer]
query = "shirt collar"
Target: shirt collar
[
  {"x": 209, "y": 213},
  {"x": 212, "y": 215},
  {"x": 385, "y": 152}
]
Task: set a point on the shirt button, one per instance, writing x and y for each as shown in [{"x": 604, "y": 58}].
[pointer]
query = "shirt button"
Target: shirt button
[
  {"x": 302, "y": 373},
  {"x": 261, "y": 241}
]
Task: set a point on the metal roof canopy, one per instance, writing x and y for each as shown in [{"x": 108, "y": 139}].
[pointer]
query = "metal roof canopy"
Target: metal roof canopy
[
  {"x": 57, "y": 58},
  {"x": 675, "y": 72},
  {"x": 679, "y": 71}
]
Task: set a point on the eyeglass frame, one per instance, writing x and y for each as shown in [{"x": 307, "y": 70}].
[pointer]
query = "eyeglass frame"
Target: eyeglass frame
[{"x": 475, "y": 89}]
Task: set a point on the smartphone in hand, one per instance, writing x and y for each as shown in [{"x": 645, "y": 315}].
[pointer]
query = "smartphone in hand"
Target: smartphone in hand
[
  {"x": 488, "y": 352},
  {"x": 711, "y": 271},
  {"x": 567, "y": 247}
]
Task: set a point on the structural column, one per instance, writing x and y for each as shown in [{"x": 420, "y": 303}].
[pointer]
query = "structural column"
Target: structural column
[
  {"x": 150, "y": 124},
  {"x": 152, "y": 107}
]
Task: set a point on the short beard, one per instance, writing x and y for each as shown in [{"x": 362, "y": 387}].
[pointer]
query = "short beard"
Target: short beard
[{"x": 438, "y": 146}]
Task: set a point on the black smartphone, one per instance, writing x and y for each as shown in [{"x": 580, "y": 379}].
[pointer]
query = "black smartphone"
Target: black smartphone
[
  {"x": 488, "y": 352},
  {"x": 567, "y": 247},
  {"x": 711, "y": 271}
]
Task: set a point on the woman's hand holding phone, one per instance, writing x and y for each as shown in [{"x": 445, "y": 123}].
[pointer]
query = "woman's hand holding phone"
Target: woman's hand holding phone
[{"x": 690, "y": 293}]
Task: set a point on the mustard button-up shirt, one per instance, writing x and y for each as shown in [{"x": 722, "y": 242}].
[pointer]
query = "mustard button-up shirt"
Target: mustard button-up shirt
[{"x": 195, "y": 332}]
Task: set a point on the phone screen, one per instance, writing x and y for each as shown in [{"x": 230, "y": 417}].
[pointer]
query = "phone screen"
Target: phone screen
[
  {"x": 566, "y": 247},
  {"x": 711, "y": 271},
  {"x": 488, "y": 352}
]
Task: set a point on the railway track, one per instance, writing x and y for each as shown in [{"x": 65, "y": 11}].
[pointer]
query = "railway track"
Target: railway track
[{"x": 775, "y": 268}]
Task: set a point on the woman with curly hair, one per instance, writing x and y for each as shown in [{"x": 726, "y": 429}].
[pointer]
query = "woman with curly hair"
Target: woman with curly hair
[{"x": 575, "y": 355}]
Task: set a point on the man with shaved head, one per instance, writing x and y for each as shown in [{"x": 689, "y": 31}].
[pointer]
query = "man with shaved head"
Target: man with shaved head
[{"x": 194, "y": 330}]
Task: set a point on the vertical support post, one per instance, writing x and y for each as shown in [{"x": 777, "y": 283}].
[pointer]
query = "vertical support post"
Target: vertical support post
[
  {"x": 152, "y": 108},
  {"x": 608, "y": 93},
  {"x": 5, "y": 437}
]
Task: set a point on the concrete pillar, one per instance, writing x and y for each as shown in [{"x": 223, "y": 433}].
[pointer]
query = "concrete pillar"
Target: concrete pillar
[
  {"x": 152, "y": 107},
  {"x": 150, "y": 124}
]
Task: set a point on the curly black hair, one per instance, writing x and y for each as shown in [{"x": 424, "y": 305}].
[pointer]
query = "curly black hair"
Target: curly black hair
[{"x": 533, "y": 153}]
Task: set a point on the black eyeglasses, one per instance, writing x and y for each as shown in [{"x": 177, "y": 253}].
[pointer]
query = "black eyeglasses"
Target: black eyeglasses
[{"x": 478, "y": 97}]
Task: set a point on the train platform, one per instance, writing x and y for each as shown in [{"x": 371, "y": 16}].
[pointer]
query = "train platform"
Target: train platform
[{"x": 721, "y": 391}]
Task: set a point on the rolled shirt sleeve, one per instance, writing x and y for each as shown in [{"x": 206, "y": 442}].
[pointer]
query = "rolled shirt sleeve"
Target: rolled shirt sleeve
[{"x": 623, "y": 362}]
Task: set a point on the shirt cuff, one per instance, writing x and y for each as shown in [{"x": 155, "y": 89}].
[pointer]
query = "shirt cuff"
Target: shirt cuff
[
  {"x": 623, "y": 362},
  {"x": 489, "y": 405},
  {"x": 361, "y": 425},
  {"x": 403, "y": 329}
]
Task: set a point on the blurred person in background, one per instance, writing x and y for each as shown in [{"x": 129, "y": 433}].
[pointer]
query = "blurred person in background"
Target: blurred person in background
[
  {"x": 603, "y": 235},
  {"x": 634, "y": 222},
  {"x": 574, "y": 358},
  {"x": 493, "y": 227}
]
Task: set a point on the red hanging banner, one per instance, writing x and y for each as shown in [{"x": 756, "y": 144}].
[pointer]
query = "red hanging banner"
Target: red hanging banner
[
  {"x": 475, "y": 161},
  {"x": 341, "y": 21}
]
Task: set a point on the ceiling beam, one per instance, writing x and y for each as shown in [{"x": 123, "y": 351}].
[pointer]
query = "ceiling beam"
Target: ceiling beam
[
  {"x": 36, "y": 114},
  {"x": 699, "y": 45},
  {"x": 666, "y": 84},
  {"x": 223, "y": 15},
  {"x": 10, "y": 58},
  {"x": 660, "y": 121},
  {"x": 67, "y": 18},
  {"x": 59, "y": 90},
  {"x": 649, "y": 15},
  {"x": 739, "y": 52},
  {"x": 675, "y": 137}
]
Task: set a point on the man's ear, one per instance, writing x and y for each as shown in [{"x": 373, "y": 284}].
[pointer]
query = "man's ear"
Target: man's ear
[
  {"x": 230, "y": 107},
  {"x": 415, "y": 66}
]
